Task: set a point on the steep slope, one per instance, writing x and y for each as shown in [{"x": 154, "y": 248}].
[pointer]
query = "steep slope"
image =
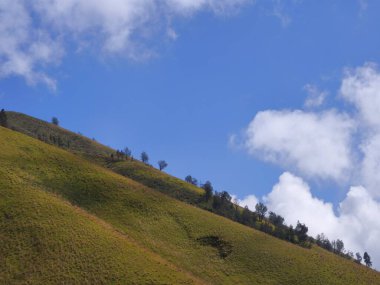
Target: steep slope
[
  {"x": 45, "y": 240},
  {"x": 53, "y": 134},
  {"x": 210, "y": 247},
  {"x": 101, "y": 154}
]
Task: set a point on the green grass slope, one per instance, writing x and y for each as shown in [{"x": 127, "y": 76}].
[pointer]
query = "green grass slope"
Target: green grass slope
[
  {"x": 100, "y": 154},
  {"x": 203, "y": 245},
  {"x": 156, "y": 179},
  {"x": 42, "y": 130},
  {"x": 45, "y": 240}
]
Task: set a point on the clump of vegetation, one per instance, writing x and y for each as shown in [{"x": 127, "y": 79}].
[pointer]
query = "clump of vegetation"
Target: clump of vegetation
[
  {"x": 55, "y": 121},
  {"x": 224, "y": 248},
  {"x": 144, "y": 157},
  {"x": 162, "y": 164},
  {"x": 191, "y": 180},
  {"x": 3, "y": 119}
]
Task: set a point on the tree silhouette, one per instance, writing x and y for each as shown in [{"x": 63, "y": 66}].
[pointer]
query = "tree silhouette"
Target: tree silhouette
[
  {"x": 301, "y": 232},
  {"x": 3, "y": 119},
  {"x": 162, "y": 164},
  {"x": 367, "y": 260},
  {"x": 191, "y": 180},
  {"x": 261, "y": 210},
  {"x": 208, "y": 190},
  {"x": 144, "y": 157},
  {"x": 55, "y": 121},
  {"x": 128, "y": 152}
]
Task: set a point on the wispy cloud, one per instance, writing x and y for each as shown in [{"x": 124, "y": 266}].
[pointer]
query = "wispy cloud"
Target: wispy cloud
[
  {"x": 35, "y": 35},
  {"x": 280, "y": 13},
  {"x": 315, "y": 97}
]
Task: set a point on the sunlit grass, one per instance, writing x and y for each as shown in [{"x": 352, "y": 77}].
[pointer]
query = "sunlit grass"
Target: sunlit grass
[{"x": 52, "y": 239}]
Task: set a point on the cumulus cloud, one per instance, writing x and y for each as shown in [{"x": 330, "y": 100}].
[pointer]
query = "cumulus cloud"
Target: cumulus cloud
[
  {"x": 315, "y": 96},
  {"x": 24, "y": 50},
  {"x": 361, "y": 87},
  {"x": 35, "y": 34},
  {"x": 250, "y": 201},
  {"x": 356, "y": 221},
  {"x": 340, "y": 145},
  {"x": 315, "y": 144}
]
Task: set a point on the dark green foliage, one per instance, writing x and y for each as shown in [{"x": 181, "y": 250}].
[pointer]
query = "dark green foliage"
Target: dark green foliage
[
  {"x": 144, "y": 157},
  {"x": 162, "y": 164},
  {"x": 191, "y": 180},
  {"x": 127, "y": 152},
  {"x": 301, "y": 232},
  {"x": 224, "y": 248},
  {"x": 247, "y": 217},
  {"x": 324, "y": 242},
  {"x": 120, "y": 155},
  {"x": 55, "y": 121},
  {"x": 209, "y": 190},
  {"x": 261, "y": 210},
  {"x": 3, "y": 119},
  {"x": 367, "y": 260},
  {"x": 275, "y": 219},
  {"x": 338, "y": 246}
]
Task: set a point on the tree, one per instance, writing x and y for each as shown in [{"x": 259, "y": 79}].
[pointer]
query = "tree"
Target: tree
[
  {"x": 301, "y": 232},
  {"x": 358, "y": 258},
  {"x": 191, "y": 180},
  {"x": 55, "y": 121},
  {"x": 120, "y": 154},
  {"x": 162, "y": 164},
  {"x": 367, "y": 260},
  {"x": 226, "y": 197},
  {"x": 128, "y": 152},
  {"x": 324, "y": 242},
  {"x": 275, "y": 219},
  {"x": 209, "y": 190},
  {"x": 246, "y": 216},
  {"x": 338, "y": 246},
  {"x": 144, "y": 157},
  {"x": 3, "y": 119},
  {"x": 261, "y": 210}
]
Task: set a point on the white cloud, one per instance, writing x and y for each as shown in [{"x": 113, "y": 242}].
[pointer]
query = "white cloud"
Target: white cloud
[
  {"x": 314, "y": 144},
  {"x": 24, "y": 50},
  {"x": 370, "y": 165},
  {"x": 330, "y": 144},
  {"x": 361, "y": 87},
  {"x": 291, "y": 198},
  {"x": 356, "y": 223},
  {"x": 315, "y": 96},
  {"x": 250, "y": 201},
  {"x": 35, "y": 34}
]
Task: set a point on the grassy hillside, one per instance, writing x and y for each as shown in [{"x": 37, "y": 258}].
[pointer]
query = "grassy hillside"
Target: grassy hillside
[
  {"x": 157, "y": 179},
  {"x": 101, "y": 154},
  {"x": 45, "y": 240},
  {"x": 201, "y": 244},
  {"x": 53, "y": 134}
]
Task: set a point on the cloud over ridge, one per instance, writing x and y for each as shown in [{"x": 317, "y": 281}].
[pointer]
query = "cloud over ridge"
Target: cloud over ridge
[{"x": 340, "y": 144}]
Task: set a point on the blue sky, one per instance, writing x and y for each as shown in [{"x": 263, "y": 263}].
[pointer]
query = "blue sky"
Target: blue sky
[{"x": 185, "y": 82}]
